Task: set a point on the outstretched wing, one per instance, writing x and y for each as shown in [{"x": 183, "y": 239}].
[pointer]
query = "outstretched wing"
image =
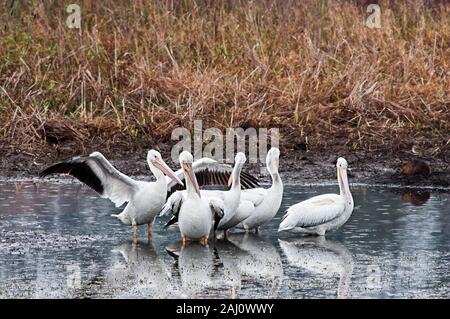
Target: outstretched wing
[
  {"x": 313, "y": 212},
  {"x": 96, "y": 172},
  {"x": 210, "y": 172}
]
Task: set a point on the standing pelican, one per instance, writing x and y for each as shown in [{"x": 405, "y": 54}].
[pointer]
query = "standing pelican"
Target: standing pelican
[
  {"x": 231, "y": 198},
  {"x": 234, "y": 209},
  {"x": 194, "y": 212},
  {"x": 145, "y": 199},
  {"x": 266, "y": 202},
  {"x": 321, "y": 213}
]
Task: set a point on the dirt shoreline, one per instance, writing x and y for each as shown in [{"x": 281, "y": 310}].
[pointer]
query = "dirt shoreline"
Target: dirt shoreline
[{"x": 296, "y": 166}]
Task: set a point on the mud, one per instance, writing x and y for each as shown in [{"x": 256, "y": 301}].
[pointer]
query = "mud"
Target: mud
[{"x": 296, "y": 166}]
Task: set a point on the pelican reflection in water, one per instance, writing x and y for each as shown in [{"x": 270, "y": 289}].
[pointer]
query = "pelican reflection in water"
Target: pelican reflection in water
[
  {"x": 195, "y": 265},
  {"x": 143, "y": 273},
  {"x": 229, "y": 268},
  {"x": 259, "y": 261},
  {"x": 321, "y": 257},
  {"x": 229, "y": 256}
]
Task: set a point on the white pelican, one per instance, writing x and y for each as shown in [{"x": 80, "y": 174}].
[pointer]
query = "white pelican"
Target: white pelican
[
  {"x": 266, "y": 202},
  {"x": 321, "y": 257},
  {"x": 234, "y": 210},
  {"x": 321, "y": 213},
  {"x": 194, "y": 213},
  {"x": 145, "y": 199},
  {"x": 231, "y": 197},
  {"x": 211, "y": 172}
]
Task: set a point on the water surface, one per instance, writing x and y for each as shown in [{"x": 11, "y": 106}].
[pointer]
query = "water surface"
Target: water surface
[{"x": 59, "y": 241}]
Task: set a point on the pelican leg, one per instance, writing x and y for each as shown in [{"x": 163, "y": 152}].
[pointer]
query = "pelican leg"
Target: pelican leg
[
  {"x": 225, "y": 234},
  {"x": 135, "y": 232},
  {"x": 183, "y": 240},
  {"x": 204, "y": 240},
  {"x": 150, "y": 231}
]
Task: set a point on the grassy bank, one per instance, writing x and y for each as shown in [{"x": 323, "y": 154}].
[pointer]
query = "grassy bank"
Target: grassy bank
[{"x": 138, "y": 69}]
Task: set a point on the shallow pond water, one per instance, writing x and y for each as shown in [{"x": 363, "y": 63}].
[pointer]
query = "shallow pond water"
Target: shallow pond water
[{"x": 59, "y": 241}]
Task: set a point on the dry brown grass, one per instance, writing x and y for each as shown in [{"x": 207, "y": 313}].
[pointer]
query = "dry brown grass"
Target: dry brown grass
[{"x": 139, "y": 69}]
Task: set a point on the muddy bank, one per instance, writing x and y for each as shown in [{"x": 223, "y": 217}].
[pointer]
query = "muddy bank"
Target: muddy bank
[{"x": 297, "y": 166}]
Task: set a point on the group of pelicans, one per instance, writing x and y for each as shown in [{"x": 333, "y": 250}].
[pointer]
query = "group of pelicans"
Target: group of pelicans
[{"x": 198, "y": 213}]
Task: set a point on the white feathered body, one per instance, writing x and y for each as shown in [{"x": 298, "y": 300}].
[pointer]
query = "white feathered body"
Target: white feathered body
[
  {"x": 145, "y": 203},
  {"x": 195, "y": 218},
  {"x": 267, "y": 202},
  {"x": 226, "y": 200},
  {"x": 234, "y": 210},
  {"x": 317, "y": 214},
  {"x": 244, "y": 210}
]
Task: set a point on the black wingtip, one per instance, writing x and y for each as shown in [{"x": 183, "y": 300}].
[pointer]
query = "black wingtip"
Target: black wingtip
[
  {"x": 54, "y": 169},
  {"x": 217, "y": 219},
  {"x": 172, "y": 253},
  {"x": 172, "y": 221},
  {"x": 249, "y": 181},
  {"x": 79, "y": 168},
  {"x": 42, "y": 174}
]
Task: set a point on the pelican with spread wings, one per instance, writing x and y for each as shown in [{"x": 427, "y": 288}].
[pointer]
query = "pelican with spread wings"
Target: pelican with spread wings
[{"x": 144, "y": 199}]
